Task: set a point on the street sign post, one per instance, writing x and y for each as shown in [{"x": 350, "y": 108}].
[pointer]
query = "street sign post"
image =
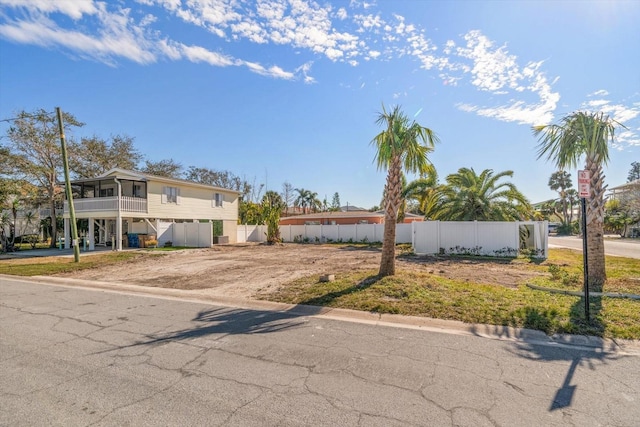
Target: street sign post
[
  {"x": 584, "y": 184},
  {"x": 584, "y": 190}
]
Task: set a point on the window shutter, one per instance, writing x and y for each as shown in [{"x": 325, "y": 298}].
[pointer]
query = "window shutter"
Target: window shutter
[
  {"x": 177, "y": 196},
  {"x": 213, "y": 200},
  {"x": 163, "y": 197}
]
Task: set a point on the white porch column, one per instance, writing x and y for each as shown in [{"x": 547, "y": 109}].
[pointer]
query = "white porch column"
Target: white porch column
[
  {"x": 119, "y": 218},
  {"x": 67, "y": 234},
  {"x": 92, "y": 240}
]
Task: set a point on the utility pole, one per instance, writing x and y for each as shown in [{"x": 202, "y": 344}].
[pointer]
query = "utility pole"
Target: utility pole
[{"x": 67, "y": 184}]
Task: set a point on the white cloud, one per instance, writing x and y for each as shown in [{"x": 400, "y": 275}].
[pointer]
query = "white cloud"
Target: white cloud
[
  {"x": 273, "y": 71},
  {"x": 624, "y": 115},
  {"x": 368, "y": 22},
  {"x": 75, "y": 9},
  {"x": 449, "y": 80},
  {"x": 117, "y": 35},
  {"x": 115, "y": 38},
  {"x": 200, "y": 54},
  {"x": 620, "y": 113},
  {"x": 170, "y": 49},
  {"x": 249, "y": 30},
  {"x": 304, "y": 69},
  {"x": 493, "y": 69},
  {"x": 333, "y": 54},
  {"x": 512, "y": 90}
]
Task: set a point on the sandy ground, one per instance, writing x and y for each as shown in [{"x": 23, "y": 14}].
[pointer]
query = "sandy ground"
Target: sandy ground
[{"x": 241, "y": 270}]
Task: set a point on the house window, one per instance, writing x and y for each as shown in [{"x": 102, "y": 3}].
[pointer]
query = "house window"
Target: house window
[
  {"x": 137, "y": 190},
  {"x": 171, "y": 195},
  {"x": 106, "y": 192},
  {"x": 218, "y": 198}
]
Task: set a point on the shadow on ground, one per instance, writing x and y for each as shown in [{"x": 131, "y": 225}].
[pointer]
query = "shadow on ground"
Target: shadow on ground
[
  {"x": 226, "y": 321},
  {"x": 577, "y": 350},
  {"x": 328, "y": 298}
]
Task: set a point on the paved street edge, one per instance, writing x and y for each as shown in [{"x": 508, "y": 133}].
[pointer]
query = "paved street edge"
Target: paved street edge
[{"x": 496, "y": 332}]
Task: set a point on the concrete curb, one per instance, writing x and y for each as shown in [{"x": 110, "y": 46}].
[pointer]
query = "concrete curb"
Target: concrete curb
[{"x": 495, "y": 332}]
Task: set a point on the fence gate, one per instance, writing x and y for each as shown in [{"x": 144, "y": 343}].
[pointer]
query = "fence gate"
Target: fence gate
[{"x": 190, "y": 234}]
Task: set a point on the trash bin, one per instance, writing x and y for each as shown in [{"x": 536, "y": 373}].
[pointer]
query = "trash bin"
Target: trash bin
[{"x": 133, "y": 241}]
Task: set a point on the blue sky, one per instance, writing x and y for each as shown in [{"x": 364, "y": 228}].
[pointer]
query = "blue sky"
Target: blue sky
[{"x": 289, "y": 90}]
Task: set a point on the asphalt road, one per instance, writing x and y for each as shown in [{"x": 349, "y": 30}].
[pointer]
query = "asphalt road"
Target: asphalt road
[
  {"x": 629, "y": 248},
  {"x": 77, "y": 357}
]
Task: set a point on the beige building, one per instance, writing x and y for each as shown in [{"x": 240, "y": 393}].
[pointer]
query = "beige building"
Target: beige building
[
  {"x": 343, "y": 218},
  {"x": 126, "y": 203}
]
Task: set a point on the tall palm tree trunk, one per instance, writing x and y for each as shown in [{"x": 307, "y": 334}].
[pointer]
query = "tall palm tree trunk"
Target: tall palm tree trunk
[
  {"x": 595, "y": 227},
  {"x": 392, "y": 202}
]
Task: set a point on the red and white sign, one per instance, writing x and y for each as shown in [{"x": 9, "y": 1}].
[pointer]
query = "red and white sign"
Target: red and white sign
[{"x": 584, "y": 184}]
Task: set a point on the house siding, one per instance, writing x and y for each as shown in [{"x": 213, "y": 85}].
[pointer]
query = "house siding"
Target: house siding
[{"x": 193, "y": 203}]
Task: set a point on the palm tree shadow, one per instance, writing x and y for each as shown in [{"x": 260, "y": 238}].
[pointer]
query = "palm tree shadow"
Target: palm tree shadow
[
  {"x": 219, "y": 322},
  {"x": 579, "y": 350},
  {"x": 327, "y": 299}
]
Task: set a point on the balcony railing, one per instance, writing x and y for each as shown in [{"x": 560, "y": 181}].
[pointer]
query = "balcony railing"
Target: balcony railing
[{"x": 127, "y": 204}]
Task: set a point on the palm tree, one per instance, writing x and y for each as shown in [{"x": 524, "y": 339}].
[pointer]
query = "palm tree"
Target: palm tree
[
  {"x": 302, "y": 199},
  {"x": 584, "y": 134},
  {"x": 272, "y": 207},
  {"x": 471, "y": 197},
  {"x": 426, "y": 192},
  {"x": 561, "y": 181},
  {"x": 402, "y": 146},
  {"x": 313, "y": 201},
  {"x": 574, "y": 200}
]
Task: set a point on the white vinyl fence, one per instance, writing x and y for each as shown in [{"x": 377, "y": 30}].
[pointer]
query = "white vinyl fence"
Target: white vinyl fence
[
  {"x": 481, "y": 238},
  {"x": 352, "y": 233},
  {"x": 191, "y": 234},
  {"x": 428, "y": 237}
]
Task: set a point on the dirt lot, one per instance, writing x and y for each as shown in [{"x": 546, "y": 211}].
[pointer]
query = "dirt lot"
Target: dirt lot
[{"x": 241, "y": 270}]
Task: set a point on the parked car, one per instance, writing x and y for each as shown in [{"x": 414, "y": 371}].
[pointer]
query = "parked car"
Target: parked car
[{"x": 553, "y": 227}]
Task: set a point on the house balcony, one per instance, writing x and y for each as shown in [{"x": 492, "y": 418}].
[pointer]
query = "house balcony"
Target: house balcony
[{"x": 108, "y": 204}]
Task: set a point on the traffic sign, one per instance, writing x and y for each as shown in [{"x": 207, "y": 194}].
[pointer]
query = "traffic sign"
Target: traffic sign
[{"x": 584, "y": 184}]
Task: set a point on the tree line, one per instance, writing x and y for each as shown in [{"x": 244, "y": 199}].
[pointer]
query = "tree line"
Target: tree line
[
  {"x": 31, "y": 174},
  {"x": 404, "y": 145},
  {"x": 31, "y": 168},
  {"x": 619, "y": 212}
]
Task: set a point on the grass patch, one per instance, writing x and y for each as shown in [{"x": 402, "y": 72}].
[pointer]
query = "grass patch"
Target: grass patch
[
  {"x": 47, "y": 266},
  {"x": 565, "y": 270},
  {"x": 428, "y": 295}
]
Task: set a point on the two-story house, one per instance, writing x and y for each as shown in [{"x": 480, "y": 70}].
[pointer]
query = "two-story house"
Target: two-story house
[{"x": 122, "y": 202}]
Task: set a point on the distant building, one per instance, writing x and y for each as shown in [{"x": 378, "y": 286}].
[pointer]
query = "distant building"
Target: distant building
[
  {"x": 628, "y": 194},
  {"x": 343, "y": 218}
]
